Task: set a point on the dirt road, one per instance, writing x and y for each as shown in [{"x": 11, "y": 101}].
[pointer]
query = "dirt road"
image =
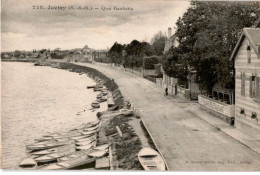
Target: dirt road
[{"x": 186, "y": 142}]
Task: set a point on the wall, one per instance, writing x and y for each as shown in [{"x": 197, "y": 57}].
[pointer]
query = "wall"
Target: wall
[{"x": 217, "y": 106}]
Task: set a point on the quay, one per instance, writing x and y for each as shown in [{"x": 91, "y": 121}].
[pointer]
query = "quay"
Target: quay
[{"x": 186, "y": 137}]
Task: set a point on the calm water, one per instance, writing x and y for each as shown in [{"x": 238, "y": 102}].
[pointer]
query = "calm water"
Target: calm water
[{"x": 37, "y": 101}]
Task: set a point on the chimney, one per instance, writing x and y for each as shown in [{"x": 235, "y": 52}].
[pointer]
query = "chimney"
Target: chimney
[{"x": 169, "y": 32}]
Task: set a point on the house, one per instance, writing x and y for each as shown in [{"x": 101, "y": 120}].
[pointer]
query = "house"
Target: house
[
  {"x": 87, "y": 54},
  {"x": 246, "y": 57},
  {"x": 171, "y": 41}
]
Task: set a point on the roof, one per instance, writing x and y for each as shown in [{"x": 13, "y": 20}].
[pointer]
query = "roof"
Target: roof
[{"x": 253, "y": 36}]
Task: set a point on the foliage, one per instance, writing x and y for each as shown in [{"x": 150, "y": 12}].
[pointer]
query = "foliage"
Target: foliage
[
  {"x": 150, "y": 61},
  {"x": 207, "y": 34},
  {"x": 115, "y": 53},
  {"x": 135, "y": 52},
  {"x": 158, "y": 43},
  {"x": 17, "y": 53}
]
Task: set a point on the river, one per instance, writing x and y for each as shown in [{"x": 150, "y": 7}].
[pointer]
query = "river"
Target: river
[{"x": 37, "y": 101}]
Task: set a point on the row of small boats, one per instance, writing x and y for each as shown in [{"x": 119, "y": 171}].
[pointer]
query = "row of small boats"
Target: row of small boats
[
  {"x": 65, "y": 150},
  {"x": 101, "y": 97}
]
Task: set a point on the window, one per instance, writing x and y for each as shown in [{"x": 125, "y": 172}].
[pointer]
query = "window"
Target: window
[
  {"x": 243, "y": 81},
  {"x": 257, "y": 88},
  {"x": 248, "y": 54}
]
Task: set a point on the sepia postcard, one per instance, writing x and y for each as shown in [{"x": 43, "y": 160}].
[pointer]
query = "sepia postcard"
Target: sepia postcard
[{"x": 144, "y": 85}]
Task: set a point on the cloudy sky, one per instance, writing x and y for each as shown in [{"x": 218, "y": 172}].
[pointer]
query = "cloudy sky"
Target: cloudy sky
[{"x": 25, "y": 28}]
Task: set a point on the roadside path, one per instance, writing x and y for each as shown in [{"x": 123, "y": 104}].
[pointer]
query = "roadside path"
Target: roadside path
[{"x": 187, "y": 142}]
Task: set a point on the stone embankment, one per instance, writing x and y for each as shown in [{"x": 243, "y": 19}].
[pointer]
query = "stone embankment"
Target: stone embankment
[{"x": 126, "y": 134}]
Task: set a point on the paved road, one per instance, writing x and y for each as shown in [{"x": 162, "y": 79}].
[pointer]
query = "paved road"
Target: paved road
[{"x": 187, "y": 142}]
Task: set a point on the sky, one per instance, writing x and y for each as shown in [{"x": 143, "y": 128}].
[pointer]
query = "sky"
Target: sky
[{"x": 25, "y": 28}]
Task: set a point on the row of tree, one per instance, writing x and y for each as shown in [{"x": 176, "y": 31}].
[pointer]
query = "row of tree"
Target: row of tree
[
  {"x": 207, "y": 34},
  {"x": 134, "y": 53}
]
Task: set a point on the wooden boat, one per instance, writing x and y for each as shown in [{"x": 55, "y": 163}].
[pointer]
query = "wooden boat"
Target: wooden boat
[
  {"x": 55, "y": 156},
  {"x": 86, "y": 147},
  {"x": 53, "y": 150},
  {"x": 126, "y": 112},
  {"x": 101, "y": 100},
  {"x": 99, "y": 95},
  {"x": 97, "y": 153},
  {"x": 43, "y": 139},
  {"x": 28, "y": 163},
  {"x": 90, "y": 132},
  {"x": 102, "y": 147},
  {"x": 73, "y": 156},
  {"x": 95, "y": 104},
  {"x": 89, "y": 87},
  {"x": 71, "y": 163},
  {"x": 151, "y": 160},
  {"x": 91, "y": 124},
  {"x": 92, "y": 128},
  {"x": 85, "y": 142},
  {"x": 86, "y": 139},
  {"x": 114, "y": 108},
  {"x": 35, "y": 147},
  {"x": 99, "y": 88}
]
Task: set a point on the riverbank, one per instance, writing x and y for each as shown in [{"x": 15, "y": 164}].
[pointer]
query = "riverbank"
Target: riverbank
[{"x": 134, "y": 137}]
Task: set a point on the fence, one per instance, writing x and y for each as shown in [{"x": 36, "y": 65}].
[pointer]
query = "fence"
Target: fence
[{"x": 217, "y": 106}]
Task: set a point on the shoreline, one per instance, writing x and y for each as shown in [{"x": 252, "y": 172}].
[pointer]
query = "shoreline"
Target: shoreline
[{"x": 135, "y": 134}]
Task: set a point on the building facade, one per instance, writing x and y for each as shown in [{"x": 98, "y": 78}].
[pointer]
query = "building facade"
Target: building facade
[
  {"x": 171, "y": 41},
  {"x": 246, "y": 56}
]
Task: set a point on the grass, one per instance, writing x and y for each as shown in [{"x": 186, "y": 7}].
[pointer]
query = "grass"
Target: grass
[{"x": 127, "y": 147}]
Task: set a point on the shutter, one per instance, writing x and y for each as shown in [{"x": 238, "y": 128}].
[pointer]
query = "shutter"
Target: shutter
[
  {"x": 243, "y": 84},
  {"x": 250, "y": 88},
  {"x": 257, "y": 87}
]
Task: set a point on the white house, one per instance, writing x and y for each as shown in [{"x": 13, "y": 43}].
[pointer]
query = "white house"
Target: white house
[{"x": 246, "y": 56}]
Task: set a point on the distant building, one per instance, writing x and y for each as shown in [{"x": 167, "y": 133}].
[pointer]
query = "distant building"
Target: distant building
[
  {"x": 99, "y": 55},
  {"x": 171, "y": 41},
  {"x": 246, "y": 56},
  {"x": 87, "y": 54}
]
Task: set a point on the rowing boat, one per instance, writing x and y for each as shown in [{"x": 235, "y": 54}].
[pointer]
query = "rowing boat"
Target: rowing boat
[
  {"x": 53, "y": 150},
  {"x": 126, "y": 112},
  {"x": 37, "y": 146},
  {"x": 86, "y": 138},
  {"x": 28, "y": 163},
  {"x": 72, "y": 163},
  {"x": 95, "y": 104},
  {"x": 54, "y": 156},
  {"x": 86, "y": 147},
  {"x": 151, "y": 160}
]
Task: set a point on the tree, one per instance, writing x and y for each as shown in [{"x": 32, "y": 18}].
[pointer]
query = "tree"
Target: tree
[
  {"x": 135, "y": 51},
  {"x": 207, "y": 34},
  {"x": 158, "y": 43},
  {"x": 17, "y": 53},
  {"x": 115, "y": 53}
]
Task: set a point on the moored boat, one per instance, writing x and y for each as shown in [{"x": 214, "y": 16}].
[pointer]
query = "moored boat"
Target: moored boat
[
  {"x": 86, "y": 147},
  {"x": 71, "y": 163},
  {"x": 35, "y": 147},
  {"x": 95, "y": 104},
  {"x": 99, "y": 95},
  {"x": 28, "y": 163},
  {"x": 55, "y": 156},
  {"x": 53, "y": 150},
  {"x": 126, "y": 112},
  {"x": 151, "y": 159}
]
